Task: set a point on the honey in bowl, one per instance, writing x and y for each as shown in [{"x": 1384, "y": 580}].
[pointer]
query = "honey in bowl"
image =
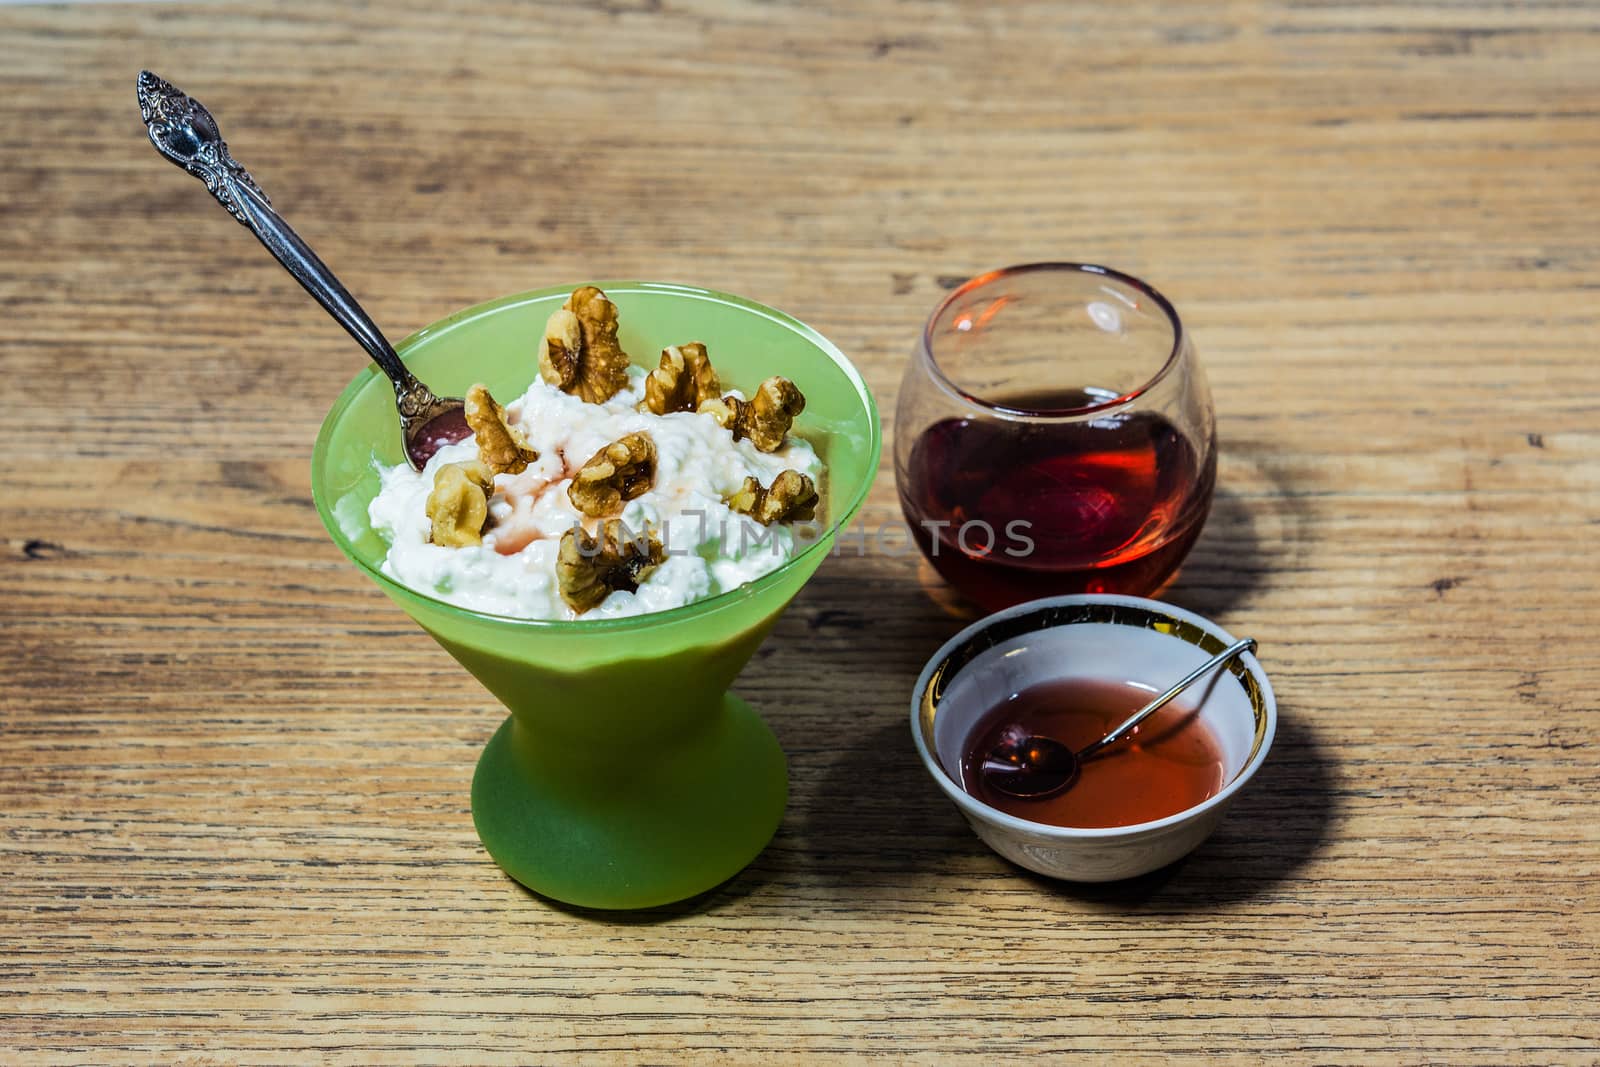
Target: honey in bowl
[{"x": 1167, "y": 764}]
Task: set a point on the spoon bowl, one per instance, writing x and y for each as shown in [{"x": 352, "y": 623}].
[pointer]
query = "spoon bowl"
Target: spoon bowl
[{"x": 1030, "y": 765}]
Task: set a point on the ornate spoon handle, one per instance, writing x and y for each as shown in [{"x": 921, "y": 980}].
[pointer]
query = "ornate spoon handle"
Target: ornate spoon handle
[{"x": 183, "y": 130}]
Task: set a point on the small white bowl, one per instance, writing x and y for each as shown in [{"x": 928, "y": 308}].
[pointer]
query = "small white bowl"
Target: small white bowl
[{"x": 1120, "y": 638}]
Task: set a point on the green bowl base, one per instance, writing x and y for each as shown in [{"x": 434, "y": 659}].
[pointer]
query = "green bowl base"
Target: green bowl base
[{"x": 615, "y": 825}]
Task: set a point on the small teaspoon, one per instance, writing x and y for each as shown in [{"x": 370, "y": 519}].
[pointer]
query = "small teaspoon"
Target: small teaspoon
[{"x": 183, "y": 130}]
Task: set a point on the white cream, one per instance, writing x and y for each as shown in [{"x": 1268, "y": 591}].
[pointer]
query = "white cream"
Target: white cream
[{"x": 710, "y": 548}]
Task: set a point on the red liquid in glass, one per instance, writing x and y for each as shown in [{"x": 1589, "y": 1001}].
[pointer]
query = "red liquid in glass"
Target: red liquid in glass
[
  {"x": 1168, "y": 764},
  {"x": 1112, "y": 505}
]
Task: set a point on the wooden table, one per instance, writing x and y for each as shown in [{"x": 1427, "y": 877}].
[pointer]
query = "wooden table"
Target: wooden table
[{"x": 234, "y": 816}]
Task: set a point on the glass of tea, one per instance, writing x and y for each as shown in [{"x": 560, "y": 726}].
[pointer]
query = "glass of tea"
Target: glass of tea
[{"x": 1054, "y": 435}]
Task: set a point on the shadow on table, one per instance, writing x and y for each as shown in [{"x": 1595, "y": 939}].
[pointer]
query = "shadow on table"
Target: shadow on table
[
  {"x": 875, "y": 824},
  {"x": 878, "y": 823},
  {"x": 1221, "y": 570},
  {"x": 1249, "y": 535},
  {"x": 869, "y": 823},
  {"x": 865, "y": 821}
]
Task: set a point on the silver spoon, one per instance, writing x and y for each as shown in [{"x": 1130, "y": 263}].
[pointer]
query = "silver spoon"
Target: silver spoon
[
  {"x": 1036, "y": 766},
  {"x": 184, "y": 131}
]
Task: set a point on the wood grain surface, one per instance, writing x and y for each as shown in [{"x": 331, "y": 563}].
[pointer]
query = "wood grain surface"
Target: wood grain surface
[{"x": 234, "y": 818}]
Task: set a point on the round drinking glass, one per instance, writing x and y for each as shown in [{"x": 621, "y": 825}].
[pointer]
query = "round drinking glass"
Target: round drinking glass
[{"x": 1054, "y": 435}]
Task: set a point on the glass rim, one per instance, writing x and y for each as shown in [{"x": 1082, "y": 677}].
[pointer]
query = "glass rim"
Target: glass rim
[
  {"x": 706, "y": 605},
  {"x": 1052, "y": 266}
]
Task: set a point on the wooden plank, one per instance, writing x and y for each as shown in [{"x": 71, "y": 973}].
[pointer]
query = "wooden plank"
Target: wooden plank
[{"x": 233, "y": 779}]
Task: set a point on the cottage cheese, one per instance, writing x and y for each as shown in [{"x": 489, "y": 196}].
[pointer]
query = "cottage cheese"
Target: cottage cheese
[{"x": 710, "y": 548}]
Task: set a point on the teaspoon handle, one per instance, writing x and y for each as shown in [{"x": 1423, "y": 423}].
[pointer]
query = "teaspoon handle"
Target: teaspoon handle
[
  {"x": 1246, "y": 644},
  {"x": 183, "y": 130},
  {"x": 302, "y": 263}
]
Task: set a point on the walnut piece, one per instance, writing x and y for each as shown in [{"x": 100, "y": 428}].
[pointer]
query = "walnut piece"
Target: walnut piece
[
  {"x": 765, "y": 418},
  {"x": 579, "y": 353},
  {"x": 683, "y": 382},
  {"x": 617, "y": 473},
  {"x": 458, "y": 507},
  {"x": 501, "y": 447},
  {"x": 590, "y": 567},
  {"x": 792, "y": 497}
]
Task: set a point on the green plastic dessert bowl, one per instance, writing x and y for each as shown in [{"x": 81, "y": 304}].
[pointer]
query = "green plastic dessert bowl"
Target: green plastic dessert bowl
[{"x": 700, "y": 786}]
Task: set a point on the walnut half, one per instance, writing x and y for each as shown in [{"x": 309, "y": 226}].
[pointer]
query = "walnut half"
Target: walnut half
[
  {"x": 765, "y": 418},
  {"x": 458, "y": 507},
  {"x": 614, "y": 475},
  {"x": 683, "y": 382},
  {"x": 792, "y": 497},
  {"x": 501, "y": 448},
  {"x": 580, "y": 353},
  {"x": 590, "y": 567}
]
